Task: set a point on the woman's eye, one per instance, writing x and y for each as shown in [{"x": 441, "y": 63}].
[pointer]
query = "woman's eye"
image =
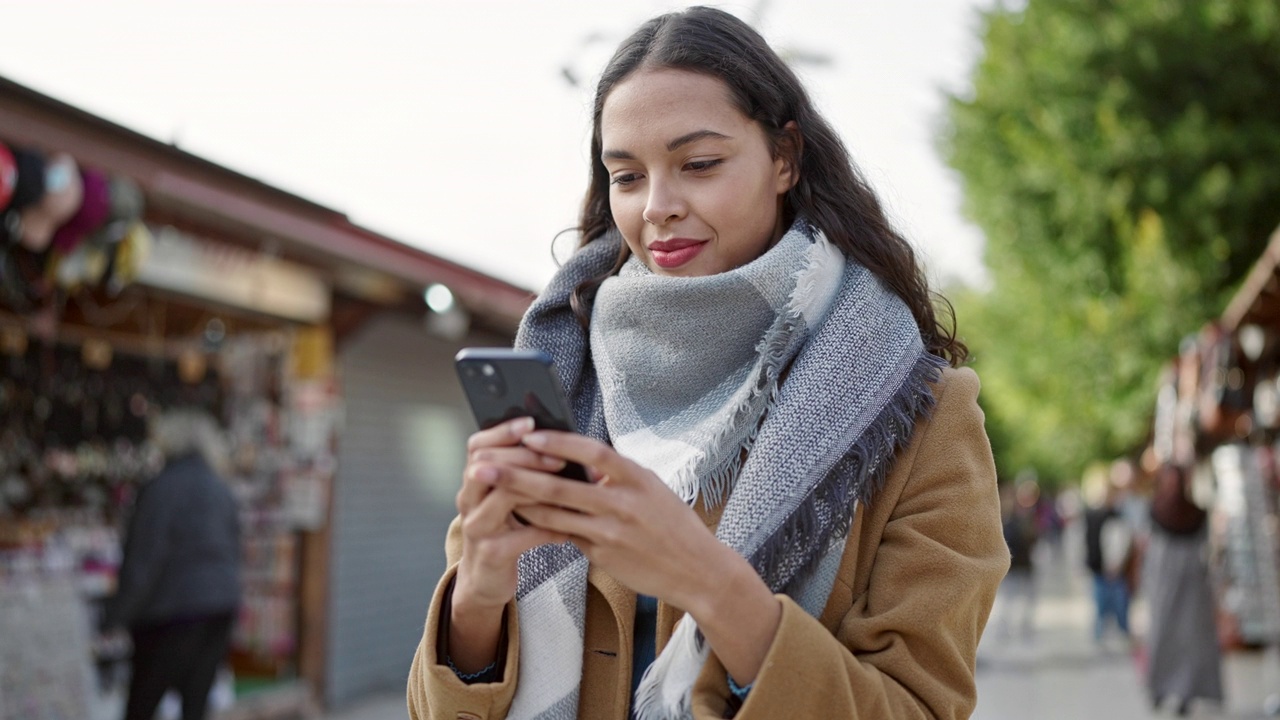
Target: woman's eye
[
  {"x": 624, "y": 180},
  {"x": 701, "y": 165}
]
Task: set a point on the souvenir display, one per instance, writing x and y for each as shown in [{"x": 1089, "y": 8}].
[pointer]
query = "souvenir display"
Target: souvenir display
[
  {"x": 1247, "y": 567},
  {"x": 45, "y": 671},
  {"x": 74, "y": 446},
  {"x": 73, "y": 449},
  {"x": 65, "y": 227}
]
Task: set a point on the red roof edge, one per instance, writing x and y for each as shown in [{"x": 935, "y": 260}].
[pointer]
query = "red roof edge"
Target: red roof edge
[{"x": 185, "y": 182}]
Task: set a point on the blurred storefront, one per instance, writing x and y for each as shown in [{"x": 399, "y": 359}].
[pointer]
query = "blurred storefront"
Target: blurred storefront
[
  {"x": 173, "y": 281},
  {"x": 1218, "y": 411}
]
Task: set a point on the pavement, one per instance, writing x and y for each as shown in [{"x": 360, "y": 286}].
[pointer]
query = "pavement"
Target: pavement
[
  {"x": 1060, "y": 672},
  {"x": 1057, "y": 672}
]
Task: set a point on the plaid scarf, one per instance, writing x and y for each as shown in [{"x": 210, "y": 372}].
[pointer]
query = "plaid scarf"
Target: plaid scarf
[{"x": 862, "y": 371}]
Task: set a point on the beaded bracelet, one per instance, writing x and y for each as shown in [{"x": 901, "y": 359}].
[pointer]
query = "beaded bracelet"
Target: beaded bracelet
[
  {"x": 470, "y": 677},
  {"x": 738, "y": 692}
]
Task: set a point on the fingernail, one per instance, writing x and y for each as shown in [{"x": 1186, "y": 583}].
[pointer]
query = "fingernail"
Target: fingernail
[
  {"x": 522, "y": 426},
  {"x": 535, "y": 440},
  {"x": 487, "y": 474},
  {"x": 553, "y": 463}
]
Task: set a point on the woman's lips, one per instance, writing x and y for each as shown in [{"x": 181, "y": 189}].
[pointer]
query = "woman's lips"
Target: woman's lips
[{"x": 673, "y": 254}]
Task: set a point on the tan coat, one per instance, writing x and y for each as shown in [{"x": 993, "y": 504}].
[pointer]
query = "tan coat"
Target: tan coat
[{"x": 898, "y": 637}]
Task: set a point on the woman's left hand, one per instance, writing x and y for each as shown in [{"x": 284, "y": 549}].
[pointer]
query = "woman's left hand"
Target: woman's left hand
[{"x": 627, "y": 521}]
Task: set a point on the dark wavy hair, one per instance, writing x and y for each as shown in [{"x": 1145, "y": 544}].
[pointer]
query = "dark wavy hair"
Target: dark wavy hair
[{"x": 830, "y": 192}]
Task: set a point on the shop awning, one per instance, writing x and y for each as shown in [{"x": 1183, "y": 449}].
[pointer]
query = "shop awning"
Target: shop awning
[
  {"x": 1258, "y": 300},
  {"x": 238, "y": 208}
]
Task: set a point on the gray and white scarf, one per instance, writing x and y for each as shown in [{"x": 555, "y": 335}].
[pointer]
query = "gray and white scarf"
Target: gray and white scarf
[{"x": 678, "y": 374}]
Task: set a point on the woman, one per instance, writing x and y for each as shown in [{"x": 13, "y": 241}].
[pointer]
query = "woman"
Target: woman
[
  {"x": 794, "y": 511},
  {"x": 1184, "y": 663},
  {"x": 179, "y": 582}
]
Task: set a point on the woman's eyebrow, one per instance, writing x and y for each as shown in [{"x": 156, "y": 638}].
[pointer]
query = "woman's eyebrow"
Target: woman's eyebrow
[
  {"x": 671, "y": 145},
  {"x": 695, "y": 136}
]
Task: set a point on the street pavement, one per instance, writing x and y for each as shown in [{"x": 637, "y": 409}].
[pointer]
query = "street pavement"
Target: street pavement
[
  {"x": 1059, "y": 672},
  {"x": 1056, "y": 673}
]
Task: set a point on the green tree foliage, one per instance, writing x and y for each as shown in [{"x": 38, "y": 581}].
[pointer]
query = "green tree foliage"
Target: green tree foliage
[{"x": 1123, "y": 159}]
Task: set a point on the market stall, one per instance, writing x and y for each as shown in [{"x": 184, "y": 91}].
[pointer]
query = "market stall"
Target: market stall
[
  {"x": 182, "y": 283},
  {"x": 1218, "y": 411}
]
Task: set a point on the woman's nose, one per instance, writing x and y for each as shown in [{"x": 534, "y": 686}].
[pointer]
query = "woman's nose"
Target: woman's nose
[{"x": 664, "y": 205}]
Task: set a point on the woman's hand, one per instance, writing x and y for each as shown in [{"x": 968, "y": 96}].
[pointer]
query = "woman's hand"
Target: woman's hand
[
  {"x": 635, "y": 528},
  {"x": 492, "y": 540},
  {"x": 627, "y": 521}
]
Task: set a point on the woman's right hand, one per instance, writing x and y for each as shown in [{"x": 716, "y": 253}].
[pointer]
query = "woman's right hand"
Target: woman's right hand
[{"x": 492, "y": 541}]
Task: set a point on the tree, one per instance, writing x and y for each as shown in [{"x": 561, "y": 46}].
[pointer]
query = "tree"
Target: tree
[{"x": 1123, "y": 159}]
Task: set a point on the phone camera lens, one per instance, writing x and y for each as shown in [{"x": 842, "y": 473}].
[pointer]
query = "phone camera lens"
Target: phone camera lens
[
  {"x": 488, "y": 370},
  {"x": 493, "y": 388},
  {"x": 469, "y": 371}
]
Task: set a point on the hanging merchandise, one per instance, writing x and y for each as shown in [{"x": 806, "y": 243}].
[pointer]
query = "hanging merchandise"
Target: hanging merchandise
[
  {"x": 1266, "y": 401},
  {"x": 130, "y": 254},
  {"x": 45, "y": 672},
  {"x": 94, "y": 206},
  {"x": 28, "y": 188},
  {"x": 1249, "y": 581},
  {"x": 63, "y": 192},
  {"x": 8, "y": 176},
  {"x": 126, "y": 207},
  {"x": 65, "y": 226},
  {"x": 1164, "y": 426},
  {"x": 84, "y": 246},
  {"x": 1223, "y": 403},
  {"x": 20, "y": 269}
]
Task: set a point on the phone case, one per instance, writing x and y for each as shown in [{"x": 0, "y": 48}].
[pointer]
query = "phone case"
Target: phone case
[{"x": 503, "y": 384}]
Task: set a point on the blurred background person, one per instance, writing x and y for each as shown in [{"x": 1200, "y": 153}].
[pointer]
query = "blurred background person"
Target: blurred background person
[
  {"x": 1109, "y": 542},
  {"x": 1184, "y": 662},
  {"x": 179, "y": 582},
  {"x": 1050, "y": 522},
  {"x": 1017, "y": 595}
]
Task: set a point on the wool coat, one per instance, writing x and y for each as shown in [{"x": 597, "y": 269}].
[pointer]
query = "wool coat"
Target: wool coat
[
  {"x": 181, "y": 551},
  {"x": 898, "y": 637}
]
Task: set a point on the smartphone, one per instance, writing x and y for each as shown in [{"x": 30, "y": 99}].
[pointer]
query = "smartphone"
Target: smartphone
[{"x": 503, "y": 384}]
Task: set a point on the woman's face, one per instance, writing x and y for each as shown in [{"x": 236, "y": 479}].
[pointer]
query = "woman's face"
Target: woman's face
[{"x": 694, "y": 186}]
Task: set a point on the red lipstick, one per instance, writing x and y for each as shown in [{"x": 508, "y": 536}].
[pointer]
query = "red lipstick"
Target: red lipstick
[{"x": 675, "y": 252}]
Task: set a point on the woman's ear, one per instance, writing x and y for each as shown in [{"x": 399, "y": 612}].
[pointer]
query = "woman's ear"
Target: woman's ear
[{"x": 790, "y": 149}]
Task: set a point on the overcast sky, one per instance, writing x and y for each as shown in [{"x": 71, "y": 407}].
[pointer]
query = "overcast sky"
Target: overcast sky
[{"x": 450, "y": 126}]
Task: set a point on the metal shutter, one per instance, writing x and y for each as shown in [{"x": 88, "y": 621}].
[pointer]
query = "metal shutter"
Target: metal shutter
[{"x": 400, "y": 459}]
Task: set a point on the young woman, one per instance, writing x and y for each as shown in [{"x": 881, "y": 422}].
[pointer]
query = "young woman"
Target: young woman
[{"x": 794, "y": 511}]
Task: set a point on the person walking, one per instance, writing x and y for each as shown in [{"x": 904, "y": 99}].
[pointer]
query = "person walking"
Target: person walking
[
  {"x": 1109, "y": 548},
  {"x": 1184, "y": 661},
  {"x": 179, "y": 582},
  {"x": 1017, "y": 596},
  {"x": 794, "y": 509}
]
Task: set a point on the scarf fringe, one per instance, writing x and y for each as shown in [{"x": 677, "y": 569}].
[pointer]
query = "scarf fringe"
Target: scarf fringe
[
  {"x": 775, "y": 350},
  {"x": 868, "y": 461},
  {"x": 666, "y": 690},
  {"x": 715, "y": 485}
]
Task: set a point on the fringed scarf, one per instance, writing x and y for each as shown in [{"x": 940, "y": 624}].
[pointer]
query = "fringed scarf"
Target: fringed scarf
[{"x": 682, "y": 375}]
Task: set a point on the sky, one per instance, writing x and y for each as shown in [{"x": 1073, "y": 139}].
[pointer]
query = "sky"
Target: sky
[{"x": 451, "y": 126}]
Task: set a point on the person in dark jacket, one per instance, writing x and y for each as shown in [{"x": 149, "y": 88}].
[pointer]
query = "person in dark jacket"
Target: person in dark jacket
[
  {"x": 179, "y": 582},
  {"x": 1017, "y": 596}
]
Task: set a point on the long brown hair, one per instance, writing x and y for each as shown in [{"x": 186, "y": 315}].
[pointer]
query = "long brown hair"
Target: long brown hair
[{"x": 830, "y": 192}]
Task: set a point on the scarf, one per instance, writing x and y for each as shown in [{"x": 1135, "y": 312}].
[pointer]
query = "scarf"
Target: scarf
[
  {"x": 687, "y": 366},
  {"x": 858, "y": 380}
]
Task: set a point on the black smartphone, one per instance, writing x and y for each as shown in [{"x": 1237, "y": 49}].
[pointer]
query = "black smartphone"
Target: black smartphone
[{"x": 503, "y": 384}]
